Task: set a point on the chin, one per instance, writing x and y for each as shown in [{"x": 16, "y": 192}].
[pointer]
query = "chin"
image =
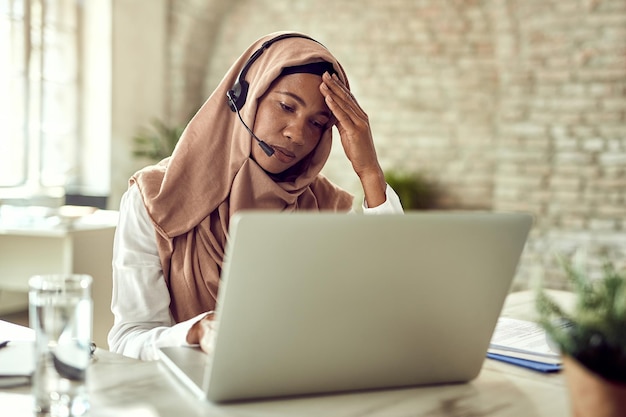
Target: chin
[{"x": 270, "y": 168}]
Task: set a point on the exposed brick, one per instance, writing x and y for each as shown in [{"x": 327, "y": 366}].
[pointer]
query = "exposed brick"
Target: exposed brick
[
  {"x": 613, "y": 159},
  {"x": 564, "y": 183},
  {"x": 573, "y": 158},
  {"x": 616, "y": 213},
  {"x": 602, "y": 224},
  {"x": 516, "y": 105},
  {"x": 613, "y": 104},
  {"x": 573, "y": 222}
]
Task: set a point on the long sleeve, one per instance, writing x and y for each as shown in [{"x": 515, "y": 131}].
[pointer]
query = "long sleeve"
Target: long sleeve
[
  {"x": 392, "y": 204},
  {"x": 140, "y": 299}
]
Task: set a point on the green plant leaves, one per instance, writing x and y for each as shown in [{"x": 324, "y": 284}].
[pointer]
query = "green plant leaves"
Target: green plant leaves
[
  {"x": 156, "y": 142},
  {"x": 414, "y": 190},
  {"x": 595, "y": 332}
]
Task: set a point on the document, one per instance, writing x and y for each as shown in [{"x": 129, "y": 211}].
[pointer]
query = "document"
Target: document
[
  {"x": 523, "y": 343},
  {"x": 17, "y": 363}
]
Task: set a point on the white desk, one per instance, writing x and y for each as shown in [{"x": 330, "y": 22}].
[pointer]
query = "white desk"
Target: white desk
[
  {"x": 84, "y": 247},
  {"x": 125, "y": 387}
]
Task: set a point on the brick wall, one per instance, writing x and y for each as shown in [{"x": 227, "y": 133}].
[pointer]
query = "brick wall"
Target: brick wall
[
  {"x": 510, "y": 105},
  {"x": 561, "y": 125}
]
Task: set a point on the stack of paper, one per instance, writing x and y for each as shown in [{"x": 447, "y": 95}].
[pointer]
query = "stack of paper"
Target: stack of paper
[
  {"x": 17, "y": 363},
  {"x": 523, "y": 343}
]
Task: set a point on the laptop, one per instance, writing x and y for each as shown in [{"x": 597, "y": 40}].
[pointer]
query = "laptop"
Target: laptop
[{"x": 315, "y": 303}]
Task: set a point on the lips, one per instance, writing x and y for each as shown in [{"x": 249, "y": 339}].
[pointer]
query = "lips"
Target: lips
[{"x": 283, "y": 155}]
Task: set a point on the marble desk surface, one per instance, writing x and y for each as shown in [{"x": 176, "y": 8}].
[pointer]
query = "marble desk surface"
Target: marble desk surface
[{"x": 121, "y": 386}]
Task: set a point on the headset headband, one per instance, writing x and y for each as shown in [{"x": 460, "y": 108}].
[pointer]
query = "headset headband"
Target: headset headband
[{"x": 239, "y": 92}]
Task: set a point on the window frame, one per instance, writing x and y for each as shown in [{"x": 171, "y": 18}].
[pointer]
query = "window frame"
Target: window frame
[{"x": 44, "y": 30}]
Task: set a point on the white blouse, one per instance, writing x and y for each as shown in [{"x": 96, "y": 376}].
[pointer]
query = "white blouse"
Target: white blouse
[{"x": 141, "y": 300}]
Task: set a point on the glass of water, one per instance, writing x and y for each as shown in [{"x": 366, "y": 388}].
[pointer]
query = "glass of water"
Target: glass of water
[{"x": 60, "y": 312}]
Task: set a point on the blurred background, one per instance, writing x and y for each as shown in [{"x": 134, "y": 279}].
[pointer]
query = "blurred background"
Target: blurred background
[{"x": 505, "y": 105}]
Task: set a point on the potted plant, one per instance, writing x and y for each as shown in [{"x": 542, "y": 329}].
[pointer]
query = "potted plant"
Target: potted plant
[
  {"x": 414, "y": 190},
  {"x": 158, "y": 142},
  {"x": 592, "y": 340}
]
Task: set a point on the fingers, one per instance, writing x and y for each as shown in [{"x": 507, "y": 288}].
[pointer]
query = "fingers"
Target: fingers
[
  {"x": 208, "y": 334},
  {"x": 341, "y": 102},
  {"x": 201, "y": 328}
]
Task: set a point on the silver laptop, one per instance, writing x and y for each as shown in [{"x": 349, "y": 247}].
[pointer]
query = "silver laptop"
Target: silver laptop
[{"x": 321, "y": 303}]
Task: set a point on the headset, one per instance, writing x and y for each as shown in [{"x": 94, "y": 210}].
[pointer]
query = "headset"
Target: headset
[{"x": 239, "y": 92}]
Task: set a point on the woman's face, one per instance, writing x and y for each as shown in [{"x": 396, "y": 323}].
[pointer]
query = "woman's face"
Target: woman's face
[{"x": 291, "y": 117}]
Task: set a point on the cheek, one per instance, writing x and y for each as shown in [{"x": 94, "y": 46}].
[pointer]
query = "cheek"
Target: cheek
[
  {"x": 260, "y": 121},
  {"x": 312, "y": 143}
]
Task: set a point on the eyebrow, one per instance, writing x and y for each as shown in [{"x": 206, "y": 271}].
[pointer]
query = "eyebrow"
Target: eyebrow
[{"x": 302, "y": 102}]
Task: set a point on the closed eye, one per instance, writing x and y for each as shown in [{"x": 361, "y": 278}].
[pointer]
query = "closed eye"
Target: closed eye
[
  {"x": 318, "y": 125},
  {"x": 286, "y": 107}
]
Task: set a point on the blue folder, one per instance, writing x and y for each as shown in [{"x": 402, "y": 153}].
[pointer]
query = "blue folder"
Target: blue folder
[{"x": 534, "y": 365}]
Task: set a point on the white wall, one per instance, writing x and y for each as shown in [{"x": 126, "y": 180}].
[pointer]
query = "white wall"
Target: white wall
[
  {"x": 139, "y": 32},
  {"x": 96, "y": 128}
]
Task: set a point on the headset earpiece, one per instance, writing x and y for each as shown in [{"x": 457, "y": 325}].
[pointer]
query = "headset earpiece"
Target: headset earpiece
[{"x": 237, "y": 95}]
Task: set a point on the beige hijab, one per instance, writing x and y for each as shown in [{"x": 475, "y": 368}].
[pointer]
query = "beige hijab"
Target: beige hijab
[{"x": 191, "y": 195}]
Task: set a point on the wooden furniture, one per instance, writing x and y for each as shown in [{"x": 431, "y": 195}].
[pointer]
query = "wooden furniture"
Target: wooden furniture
[{"x": 126, "y": 387}]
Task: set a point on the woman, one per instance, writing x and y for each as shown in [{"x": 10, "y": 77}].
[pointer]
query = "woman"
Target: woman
[{"x": 174, "y": 218}]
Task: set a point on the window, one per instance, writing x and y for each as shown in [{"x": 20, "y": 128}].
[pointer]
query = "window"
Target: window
[{"x": 39, "y": 106}]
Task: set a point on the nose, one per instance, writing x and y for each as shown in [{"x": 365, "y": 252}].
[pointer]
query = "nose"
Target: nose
[{"x": 296, "y": 131}]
